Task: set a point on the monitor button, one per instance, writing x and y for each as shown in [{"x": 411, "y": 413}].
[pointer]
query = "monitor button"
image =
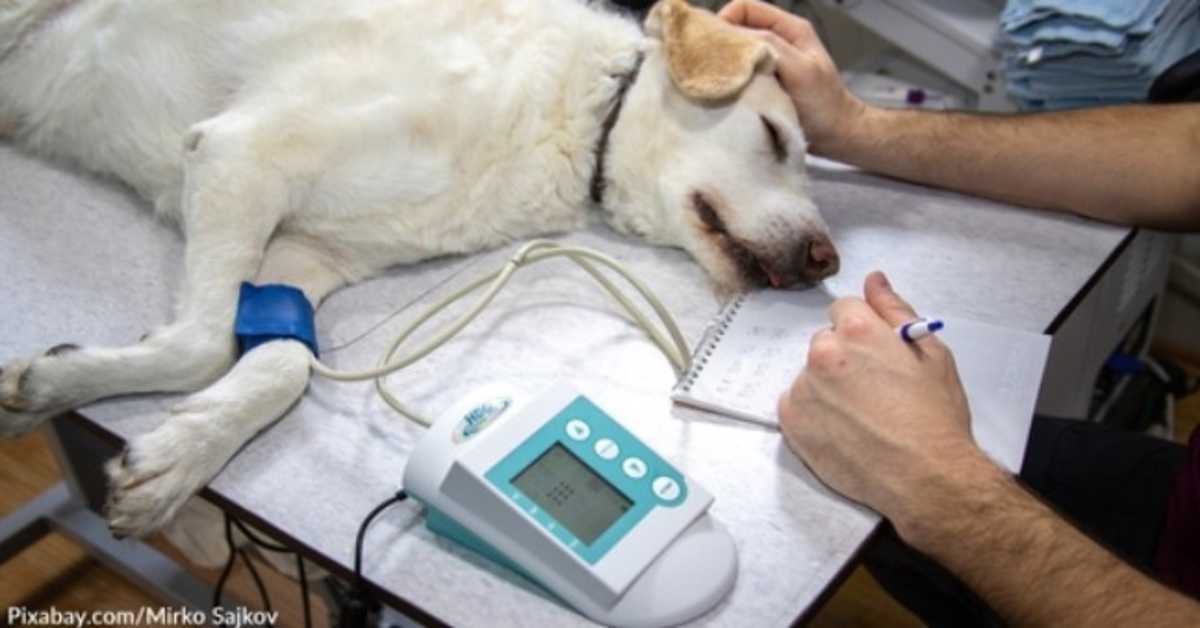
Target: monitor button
[
  {"x": 607, "y": 449},
  {"x": 634, "y": 468},
  {"x": 578, "y": 430},
  {"x": 666, "y": 488}
]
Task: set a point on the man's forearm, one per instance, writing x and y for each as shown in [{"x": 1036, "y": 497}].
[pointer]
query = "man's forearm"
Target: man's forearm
[
  {"x": 1132, "y": 164},
  {"x": 1028, "y": 563}
]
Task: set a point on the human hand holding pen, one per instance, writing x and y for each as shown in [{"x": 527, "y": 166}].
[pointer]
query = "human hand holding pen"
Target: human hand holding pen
[{"x": 881, "y": 420}]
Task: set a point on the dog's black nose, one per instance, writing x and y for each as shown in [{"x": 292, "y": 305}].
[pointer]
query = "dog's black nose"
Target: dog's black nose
[
  {"x": 820, "y": 259},
  {"x": 813, "y": 259}
]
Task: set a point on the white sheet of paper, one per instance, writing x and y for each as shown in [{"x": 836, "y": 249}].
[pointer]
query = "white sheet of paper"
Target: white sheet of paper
[{"x": 744, "y": 365}]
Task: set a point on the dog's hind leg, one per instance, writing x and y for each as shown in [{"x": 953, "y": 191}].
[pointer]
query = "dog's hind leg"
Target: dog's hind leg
[
  {"x": 18, "y": 17},
  {"x": 160, "y": 470},
  {"x": 231, "y": 206}
]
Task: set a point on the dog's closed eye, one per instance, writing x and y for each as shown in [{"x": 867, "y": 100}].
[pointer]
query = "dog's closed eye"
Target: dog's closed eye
[
  {"x": 708, "y": 215},
  {"x": 775, "y": 138}
]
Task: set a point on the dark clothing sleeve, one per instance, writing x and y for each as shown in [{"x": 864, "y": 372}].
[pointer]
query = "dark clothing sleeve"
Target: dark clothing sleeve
[{"x": 1177, "y": 560}]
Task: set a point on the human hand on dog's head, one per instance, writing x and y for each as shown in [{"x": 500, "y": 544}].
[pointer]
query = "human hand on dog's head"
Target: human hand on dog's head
[
  {"x": 882, "y": 421},
  {"x": 827, "y": 110}
]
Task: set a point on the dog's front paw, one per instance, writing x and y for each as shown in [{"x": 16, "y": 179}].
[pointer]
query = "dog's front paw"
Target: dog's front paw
[
  {"x": 160, "y": 470},
  {"x": 27, "y": 394}
]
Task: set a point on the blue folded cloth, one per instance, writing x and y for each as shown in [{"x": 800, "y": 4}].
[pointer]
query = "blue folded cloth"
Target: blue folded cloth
[
  {"x": 1118, "y": 15},
  {"x": 1072, "y": 53},
  {"x": 1067, "y": 34}
]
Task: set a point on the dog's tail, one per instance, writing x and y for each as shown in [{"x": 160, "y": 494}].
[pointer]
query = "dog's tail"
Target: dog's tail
[{"x": 18, "y": 17}]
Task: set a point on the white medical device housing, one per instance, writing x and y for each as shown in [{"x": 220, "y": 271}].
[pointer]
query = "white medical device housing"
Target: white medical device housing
[{"x": 560, "y": 491}]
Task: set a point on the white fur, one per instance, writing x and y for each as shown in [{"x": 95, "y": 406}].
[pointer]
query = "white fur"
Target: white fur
[{"x": 315, "y": 143}]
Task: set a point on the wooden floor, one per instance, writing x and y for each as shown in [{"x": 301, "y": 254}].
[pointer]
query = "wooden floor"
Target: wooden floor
[{"x": 56, "y": 573}]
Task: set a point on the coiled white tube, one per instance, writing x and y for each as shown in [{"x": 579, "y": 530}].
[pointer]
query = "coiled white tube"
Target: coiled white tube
[{"x": 675, "y": 348}]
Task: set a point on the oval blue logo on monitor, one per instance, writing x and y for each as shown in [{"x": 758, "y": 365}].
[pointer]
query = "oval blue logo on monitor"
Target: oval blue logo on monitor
[{"x": 479, "y": 417}]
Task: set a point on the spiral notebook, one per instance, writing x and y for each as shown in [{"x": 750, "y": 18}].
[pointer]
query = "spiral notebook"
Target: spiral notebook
[{"x": 758, "y": 343}]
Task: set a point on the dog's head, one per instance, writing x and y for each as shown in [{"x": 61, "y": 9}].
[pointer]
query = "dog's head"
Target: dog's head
[{"x": 707, "y": 155}]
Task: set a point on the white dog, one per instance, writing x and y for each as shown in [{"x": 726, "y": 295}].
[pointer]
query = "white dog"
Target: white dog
[{"x": 316, "y": 143}]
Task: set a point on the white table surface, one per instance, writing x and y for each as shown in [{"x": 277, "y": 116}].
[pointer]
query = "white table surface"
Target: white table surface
[{"x": 84, "y": 261}]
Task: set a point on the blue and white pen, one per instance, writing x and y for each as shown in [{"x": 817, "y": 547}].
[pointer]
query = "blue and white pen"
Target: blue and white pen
[{"x": 917, "y": 329}]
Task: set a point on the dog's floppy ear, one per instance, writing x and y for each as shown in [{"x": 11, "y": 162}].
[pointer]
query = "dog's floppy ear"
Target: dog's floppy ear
[{"x": 707, "y": 58}]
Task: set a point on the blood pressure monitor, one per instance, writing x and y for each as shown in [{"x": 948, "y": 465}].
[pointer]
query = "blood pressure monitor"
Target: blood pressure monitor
[{"x": 557, "y": 489}]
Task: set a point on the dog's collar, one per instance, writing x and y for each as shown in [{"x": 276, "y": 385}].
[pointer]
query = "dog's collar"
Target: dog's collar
[{"x": 598, "y": 182}]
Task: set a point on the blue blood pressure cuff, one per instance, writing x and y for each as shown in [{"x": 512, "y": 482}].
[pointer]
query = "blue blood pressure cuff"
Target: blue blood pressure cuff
[{"x": 273, "y": 312}]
